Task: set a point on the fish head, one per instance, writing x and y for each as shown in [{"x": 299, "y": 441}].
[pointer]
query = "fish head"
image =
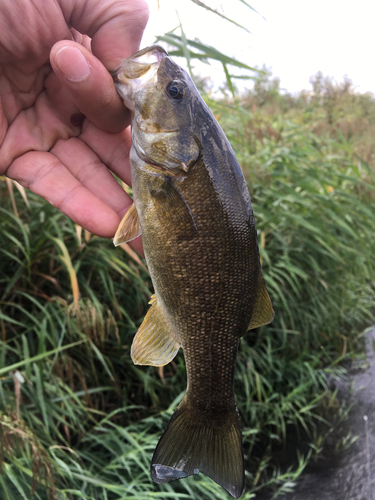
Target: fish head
[{"x": 161, "y": 97}]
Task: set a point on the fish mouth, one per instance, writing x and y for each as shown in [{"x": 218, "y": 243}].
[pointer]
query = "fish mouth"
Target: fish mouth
[
  {"x": 149, "y": 55},
  {"x": 137, "y": 72}
]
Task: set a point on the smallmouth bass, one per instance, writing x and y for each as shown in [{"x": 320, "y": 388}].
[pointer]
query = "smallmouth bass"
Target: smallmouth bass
[{"x": 193, "y": 209}]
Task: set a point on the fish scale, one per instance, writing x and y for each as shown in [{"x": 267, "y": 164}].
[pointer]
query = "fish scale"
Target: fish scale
[{"x": 192, "y": 206}]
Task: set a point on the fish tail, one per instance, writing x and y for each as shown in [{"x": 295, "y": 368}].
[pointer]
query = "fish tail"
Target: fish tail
[{"x": 197, "y": 442}]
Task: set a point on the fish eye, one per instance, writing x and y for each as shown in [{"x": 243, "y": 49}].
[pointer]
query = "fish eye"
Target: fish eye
[{"x": 175, "y": 90}]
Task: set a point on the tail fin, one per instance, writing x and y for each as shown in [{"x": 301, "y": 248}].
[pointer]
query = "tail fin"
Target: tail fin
[{"x": 190, "y": 445}]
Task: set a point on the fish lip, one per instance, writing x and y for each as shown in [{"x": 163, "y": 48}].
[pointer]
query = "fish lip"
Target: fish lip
[{"x": 155, "y": 49}]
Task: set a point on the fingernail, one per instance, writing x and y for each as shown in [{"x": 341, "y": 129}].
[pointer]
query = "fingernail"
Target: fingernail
[{"x": 72, "y": 63}]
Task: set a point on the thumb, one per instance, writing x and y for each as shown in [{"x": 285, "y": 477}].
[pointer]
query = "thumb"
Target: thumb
[
  {"x": 91, "y": 86},
  {"x": 115, "y": 26}
]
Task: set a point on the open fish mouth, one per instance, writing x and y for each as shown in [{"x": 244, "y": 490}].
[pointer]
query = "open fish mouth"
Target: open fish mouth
[
  {"x": 137, "y": 72},
  {"x": 149, "y": 55}
]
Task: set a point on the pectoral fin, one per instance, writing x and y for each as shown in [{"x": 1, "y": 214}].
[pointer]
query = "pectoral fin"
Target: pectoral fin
[
  {"x": 263, "y": 312},
  {"x": 154, "y": 343},
  {"x": 129, "y": 227},
  {"x": 171, "y": 202}
]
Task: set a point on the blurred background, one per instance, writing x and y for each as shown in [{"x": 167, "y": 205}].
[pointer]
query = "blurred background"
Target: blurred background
[
  {"x": 293, "y": 39},
  {"x": 77, "y": 418}
]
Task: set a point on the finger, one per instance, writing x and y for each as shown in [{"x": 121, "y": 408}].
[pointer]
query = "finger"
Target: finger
[
  {"x": 87, "y": 168},
  {"x": 90, "y": 84},
  {"x": 39, "y": 127},
  {"x": 90, "y": 171},
  {"x": 137, "y": 245},
  {"x": 44, "y": 174},
  {"x": 112, "y": 149},
  {"x": 115, "y": 26}
]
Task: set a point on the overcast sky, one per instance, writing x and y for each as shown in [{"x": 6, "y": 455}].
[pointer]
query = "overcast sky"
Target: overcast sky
[{"x": 296, "y": 39}]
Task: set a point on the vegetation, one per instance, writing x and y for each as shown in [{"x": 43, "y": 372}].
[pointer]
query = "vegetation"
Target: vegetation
[{"x": 79, "y": 420}]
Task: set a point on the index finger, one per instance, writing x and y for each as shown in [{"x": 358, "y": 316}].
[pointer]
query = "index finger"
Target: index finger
[{"x": 115, "y": 26}]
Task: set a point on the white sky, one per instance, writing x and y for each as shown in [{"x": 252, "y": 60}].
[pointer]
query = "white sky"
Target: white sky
[{"x": 297, "y": 39}]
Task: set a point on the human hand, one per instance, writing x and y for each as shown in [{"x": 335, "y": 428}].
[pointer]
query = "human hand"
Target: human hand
[{"x": 62, "y": 128}]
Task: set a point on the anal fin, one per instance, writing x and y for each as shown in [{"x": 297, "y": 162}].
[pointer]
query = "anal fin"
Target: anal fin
[
  {"x": 154, "y": 343},
  {"x": 129, "y": 227}
]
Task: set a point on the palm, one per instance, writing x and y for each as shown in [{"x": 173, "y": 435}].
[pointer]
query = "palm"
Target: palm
[{"x": 46, "y": 142}]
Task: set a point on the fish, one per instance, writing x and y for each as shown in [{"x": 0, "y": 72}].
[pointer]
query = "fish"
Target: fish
[{"x": 193, "y": 209}]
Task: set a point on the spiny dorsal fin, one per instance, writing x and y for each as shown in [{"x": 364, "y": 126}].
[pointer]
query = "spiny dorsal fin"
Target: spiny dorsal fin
[
  {"x": 129, "y": 227},
  {"x": 263, "y": 312},
  {"x": 191, "y": 445},
  {"x": 154, "y": 343}
]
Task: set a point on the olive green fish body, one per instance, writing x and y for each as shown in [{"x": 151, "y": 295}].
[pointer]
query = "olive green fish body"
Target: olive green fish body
[{"x": 200, "y": 243}]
